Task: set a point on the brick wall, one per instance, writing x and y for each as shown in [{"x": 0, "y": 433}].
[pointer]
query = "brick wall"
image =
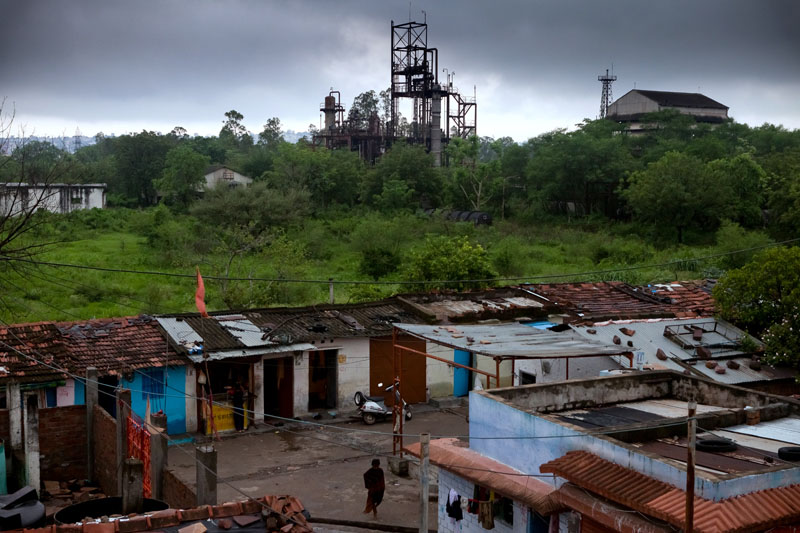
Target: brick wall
[
  {"x": 105, "y": 451},
  {"x": 62, "y": 442},
  {"x": 177, "y": 493}
]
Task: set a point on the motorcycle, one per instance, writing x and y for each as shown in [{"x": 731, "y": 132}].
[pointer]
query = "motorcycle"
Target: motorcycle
[{"x": 372, "y": 408}]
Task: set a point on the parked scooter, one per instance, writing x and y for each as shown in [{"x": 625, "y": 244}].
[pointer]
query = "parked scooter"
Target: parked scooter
[{"x": 373, "y": 408}]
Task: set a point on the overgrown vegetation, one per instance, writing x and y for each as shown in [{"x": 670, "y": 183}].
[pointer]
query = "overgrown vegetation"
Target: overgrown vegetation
[{"x": 566, "y": 202}]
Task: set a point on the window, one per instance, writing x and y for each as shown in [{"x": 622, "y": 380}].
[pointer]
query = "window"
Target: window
[
  {"x": 227, "y": 175},
  {"x": 76, "y": 200},
  {"x": 526, "y": 378}
]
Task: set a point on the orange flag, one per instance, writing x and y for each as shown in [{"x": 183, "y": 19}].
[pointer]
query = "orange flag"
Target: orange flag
[{"x": 200, "y": 296}]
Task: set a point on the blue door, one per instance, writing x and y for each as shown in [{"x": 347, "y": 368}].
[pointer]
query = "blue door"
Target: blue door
[{"x": 461, "y": 375}]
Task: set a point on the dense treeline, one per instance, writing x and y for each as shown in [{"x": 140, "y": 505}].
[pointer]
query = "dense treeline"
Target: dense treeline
[{"x": 682, "y": 179}]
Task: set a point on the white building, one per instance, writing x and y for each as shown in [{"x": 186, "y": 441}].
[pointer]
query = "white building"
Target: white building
[
  {"x": 216, "y": 174},
  {"x": 18, "y": 198}
]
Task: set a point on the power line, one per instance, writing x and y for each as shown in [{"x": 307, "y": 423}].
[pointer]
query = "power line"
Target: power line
[{"x": 400, "y": 282}]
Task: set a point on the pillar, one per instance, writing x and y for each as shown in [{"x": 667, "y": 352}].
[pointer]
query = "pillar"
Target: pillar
[
  {"x": 32, "y": 467},
  {"x": 258, "y": 394},
  {"x": 132, "y": 486},
  {"x": 424, "y": 486},
  {"x": 206, "y": 464},
  {"x": 123, "y": 412},
  {"x": 158, "y": 455},
  {"x": 92, "y": 396},
  {"x": 14, "y": 402}
]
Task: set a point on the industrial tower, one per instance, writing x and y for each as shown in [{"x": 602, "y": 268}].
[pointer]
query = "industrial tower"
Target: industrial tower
[{"x": 605, "y": 98}]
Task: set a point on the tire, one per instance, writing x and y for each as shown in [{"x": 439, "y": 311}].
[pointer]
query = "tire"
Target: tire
[
  {"x": 789, "y": 453},
  {"x": 716, "y": 445},
  {"x": 359, "y": 398},
  {"x": 408, "y": 413},
  {"x": 368, "y": 418}
]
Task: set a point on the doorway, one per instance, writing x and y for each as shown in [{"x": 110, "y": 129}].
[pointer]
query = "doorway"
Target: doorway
[
  {"x": 322, "y": 370},
  {"x": 279, "y": 387}
]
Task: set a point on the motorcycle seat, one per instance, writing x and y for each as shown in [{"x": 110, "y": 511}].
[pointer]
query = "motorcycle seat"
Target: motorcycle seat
[{"x": 375, "y": 398}]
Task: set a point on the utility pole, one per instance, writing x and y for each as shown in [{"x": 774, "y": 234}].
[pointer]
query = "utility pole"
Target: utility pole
[
  {"x": 690, "y": 455},
  {"x": 424, "y": 487}
]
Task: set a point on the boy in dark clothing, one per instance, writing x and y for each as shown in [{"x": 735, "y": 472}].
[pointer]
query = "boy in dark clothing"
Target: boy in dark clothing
[{"x": 374, "y": 483}]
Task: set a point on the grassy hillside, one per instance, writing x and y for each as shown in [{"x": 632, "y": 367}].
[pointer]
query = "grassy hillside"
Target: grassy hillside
[{"x": 334, "y": 247}]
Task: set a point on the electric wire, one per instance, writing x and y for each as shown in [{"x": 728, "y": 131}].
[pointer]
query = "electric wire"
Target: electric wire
[{"x": 402, "y": 282}]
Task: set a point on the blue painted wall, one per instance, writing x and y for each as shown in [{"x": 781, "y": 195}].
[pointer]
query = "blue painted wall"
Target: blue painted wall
[
  {"x": 148, "y": 383},
  {"x": 491, "y": 418}
]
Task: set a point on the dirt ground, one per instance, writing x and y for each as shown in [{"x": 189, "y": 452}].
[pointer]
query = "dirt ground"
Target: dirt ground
[{"x": 323, "y": 466}]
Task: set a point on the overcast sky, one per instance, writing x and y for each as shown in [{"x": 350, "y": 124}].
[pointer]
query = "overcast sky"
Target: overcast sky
[{"x": 122, "y": 66}]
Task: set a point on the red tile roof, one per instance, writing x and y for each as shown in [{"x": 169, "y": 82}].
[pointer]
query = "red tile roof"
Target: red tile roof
[
  {"x": 117, "y": 345},
  {"x": 756, "y": 511},
  {"x": 618, "y": 300},
  {"x": 448, "y": 454},
  {"x": 289, "y": 508},
  {"x": 22, "y": 343},
  {"x": 113, "y": 345},
  {"x": 692, "y": 297}
]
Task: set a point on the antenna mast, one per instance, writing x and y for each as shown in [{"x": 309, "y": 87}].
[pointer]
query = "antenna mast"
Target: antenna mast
[{"x": 605, "y": 98}]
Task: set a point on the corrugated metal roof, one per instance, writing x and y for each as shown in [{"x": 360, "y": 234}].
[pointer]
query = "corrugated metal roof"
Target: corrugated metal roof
[
  {"x": 511, "y": 340},
  {"x": 783, "y": 429},
  {"x": 250, "y": 352},
  {"x": 681, "y": 349},
  {"x": 756, "y": 511},
  {"x": 505, "y": 303},
  {"x": 242, "y": 329},
  {"x": 179, "y": 331}
]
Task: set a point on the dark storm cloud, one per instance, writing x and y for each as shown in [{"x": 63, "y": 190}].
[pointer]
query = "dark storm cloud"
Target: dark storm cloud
[{"x": 535, "y": 63}]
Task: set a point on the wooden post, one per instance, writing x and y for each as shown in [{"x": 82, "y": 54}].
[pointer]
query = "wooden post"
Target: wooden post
[
  {"x": 690, "y": 458},
  {"x": 92, "y": 396},
  {"x": 132, "y": 486},
  {"x": 497, "y": 366},
  {"x": 424, "y": 487},
  {"x": 123, "y": 412},
  {"x": 206, "y": 465},
  {"x": 330, "y": 290}
]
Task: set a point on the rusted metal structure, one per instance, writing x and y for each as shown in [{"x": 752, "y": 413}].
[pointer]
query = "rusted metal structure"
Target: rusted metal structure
[
  {"x": 414, "y": 75},
  {"x": 605, "y": 97}
]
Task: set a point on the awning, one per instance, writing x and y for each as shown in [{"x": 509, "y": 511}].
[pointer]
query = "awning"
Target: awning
[
  {"x": 512, "y": 340},
  {"x": 284, "y": 349},
  {"x": 481, "y": 470}
]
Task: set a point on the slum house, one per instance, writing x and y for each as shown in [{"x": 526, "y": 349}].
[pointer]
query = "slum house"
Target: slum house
[
  {"x": 706, "y": 347},
  {"x": 42, "y": 392},
  {"x": 128, "y": 352},
  {"x": 609, "y": 454},
  {"x": 493, "y": 351},
  {"x": 293, "y": 361},
  {"x": 470, "y": 307}
]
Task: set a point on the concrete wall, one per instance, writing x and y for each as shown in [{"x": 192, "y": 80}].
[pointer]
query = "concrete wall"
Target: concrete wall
[
  {"x": 301, "y": 384},
  {"x": 464, "y": 488},
  {"x": 440, "y": 375},
  {"x": 57, "y": 198},
  {"x": 631, "y": 104},
  {"x": 352, "y": 370},
  {"x": 490, "y": 418}
]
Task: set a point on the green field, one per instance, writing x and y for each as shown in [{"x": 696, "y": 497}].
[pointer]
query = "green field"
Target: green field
[{"x": 318, "y": 249}]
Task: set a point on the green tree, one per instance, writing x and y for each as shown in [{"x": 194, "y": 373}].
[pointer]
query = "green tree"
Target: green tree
[
  {"x": 443, "y": 258},
  {"x": 473, "y": 182},
  {"x": 272, "y": 134},
  {"x": 139, "y": 160},
  {"x": 364, "y": 106},
  {"x": 233, "y": 133},
  {"x": 764, "y": 297},
  {"x": 407, "y": 164},
  {"x": 677, "y": 192},
  {"x": 742, "y": 178},
  {"x": 183, "y": 176}
]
